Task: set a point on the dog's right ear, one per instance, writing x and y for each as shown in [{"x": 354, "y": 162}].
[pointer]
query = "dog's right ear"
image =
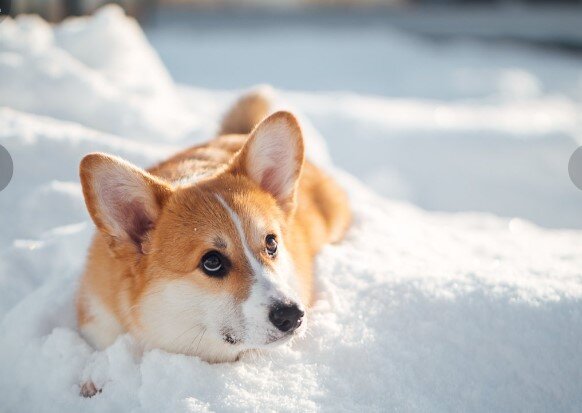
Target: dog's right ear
[{"x": 123, "y": 200}]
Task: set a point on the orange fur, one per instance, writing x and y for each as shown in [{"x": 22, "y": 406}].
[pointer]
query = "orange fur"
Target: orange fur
[{"x": 175, "y": 219}]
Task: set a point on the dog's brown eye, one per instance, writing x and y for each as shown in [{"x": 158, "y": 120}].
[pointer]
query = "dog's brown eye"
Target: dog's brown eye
[
  {"x": 271, "y": 245},
  {"x": 214, "y": 264}
]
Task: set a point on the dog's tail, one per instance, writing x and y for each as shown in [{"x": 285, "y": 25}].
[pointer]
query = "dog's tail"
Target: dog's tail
[{"x": 247, "y": 111}]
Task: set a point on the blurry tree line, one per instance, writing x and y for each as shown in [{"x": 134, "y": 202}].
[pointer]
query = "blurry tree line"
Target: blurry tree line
[{"x": 55, "y": 10}]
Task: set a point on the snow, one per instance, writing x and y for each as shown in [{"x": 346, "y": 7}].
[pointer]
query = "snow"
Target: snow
[
  {"x": 417, "y": 310},
  {"x": 114, "y": 85}
]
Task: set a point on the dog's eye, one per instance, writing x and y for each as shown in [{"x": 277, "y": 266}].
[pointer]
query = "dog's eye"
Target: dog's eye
[
  {"x": 213, "y": 264},
  {"x": 271, "y": 245}
]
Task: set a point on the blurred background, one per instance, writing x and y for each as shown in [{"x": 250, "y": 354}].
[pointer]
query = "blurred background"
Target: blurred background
[{"x": 452, "y": 105}]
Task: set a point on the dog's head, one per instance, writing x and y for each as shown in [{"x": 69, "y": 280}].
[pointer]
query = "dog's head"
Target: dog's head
[{"x": 211, "y": 268}]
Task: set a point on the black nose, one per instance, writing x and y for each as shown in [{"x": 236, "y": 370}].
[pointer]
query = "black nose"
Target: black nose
[{"x": 286, "y": 317}]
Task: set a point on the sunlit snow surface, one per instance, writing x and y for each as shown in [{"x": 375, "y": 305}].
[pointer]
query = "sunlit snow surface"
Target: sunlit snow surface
[{"x": 417, "y": 310}]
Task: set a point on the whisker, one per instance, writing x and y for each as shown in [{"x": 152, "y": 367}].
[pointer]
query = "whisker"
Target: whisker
[
  {"x": 188, "y": 330},
  {"x": 189, "y": 347},
  {"x": 200, "y": 340}
]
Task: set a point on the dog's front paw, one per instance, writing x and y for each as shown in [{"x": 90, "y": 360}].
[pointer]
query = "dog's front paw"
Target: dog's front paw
[{"x": 88, "y": 389}]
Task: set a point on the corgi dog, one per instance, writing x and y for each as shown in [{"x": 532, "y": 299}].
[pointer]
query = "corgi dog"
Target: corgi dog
[{"x": 209, "y": 253}]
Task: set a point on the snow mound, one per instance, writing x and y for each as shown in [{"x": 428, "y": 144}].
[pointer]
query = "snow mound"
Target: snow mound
[
  {"x": 416, "y": 311},
  {"x": 99, "y": 72},
  {"x": 506, "y": 157}
]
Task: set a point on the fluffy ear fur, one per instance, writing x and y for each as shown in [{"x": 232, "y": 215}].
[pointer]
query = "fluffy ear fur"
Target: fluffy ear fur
[
  {"x": 273, "y": 157},
  {"x": 123, "y": 200}
]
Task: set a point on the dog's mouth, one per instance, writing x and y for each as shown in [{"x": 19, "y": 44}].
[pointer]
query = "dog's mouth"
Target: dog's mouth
[
  {"x": 278, "y": 339},
  {"x": 271, "y": 339}
]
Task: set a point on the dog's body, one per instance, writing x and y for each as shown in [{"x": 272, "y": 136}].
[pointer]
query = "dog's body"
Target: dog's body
[{"x": 210, "y": 252}]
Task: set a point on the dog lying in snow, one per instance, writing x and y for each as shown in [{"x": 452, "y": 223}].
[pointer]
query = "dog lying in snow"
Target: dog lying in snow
[{"x": 209, "y": 253}]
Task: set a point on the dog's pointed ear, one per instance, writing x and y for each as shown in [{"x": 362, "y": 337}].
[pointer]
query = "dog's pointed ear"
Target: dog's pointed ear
[
  {"x": 273, "y": 157},
  {"x": 123, "y": 200}
]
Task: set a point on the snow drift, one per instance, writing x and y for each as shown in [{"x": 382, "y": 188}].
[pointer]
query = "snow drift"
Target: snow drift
[{"x": 416, "y": 310}]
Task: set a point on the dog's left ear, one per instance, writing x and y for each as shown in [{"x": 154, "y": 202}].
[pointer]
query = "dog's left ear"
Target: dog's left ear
[{"x": 273, "y": 157}]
